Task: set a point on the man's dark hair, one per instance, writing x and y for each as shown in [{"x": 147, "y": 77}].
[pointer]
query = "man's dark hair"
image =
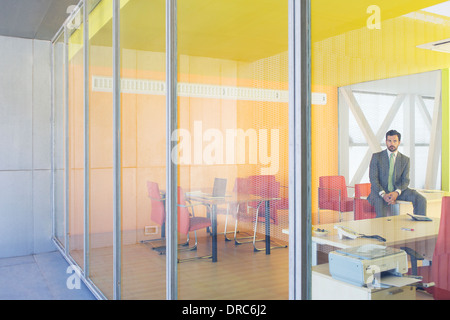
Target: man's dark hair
[{"x": 391, "y": 133}]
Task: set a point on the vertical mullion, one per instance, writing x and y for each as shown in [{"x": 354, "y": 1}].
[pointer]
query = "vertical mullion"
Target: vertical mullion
[
  {"x": 66, "y": 142},
  {"x": 86, "y": 135},
  {"x": 299, "y": 150},
  {"x": 305, "y": 128},
  {"x": 52, "y": 121},
  {"x": 293, "y": 59},
  {"x": 116, "y": 153},
  {"x": 171, "y": 167}
]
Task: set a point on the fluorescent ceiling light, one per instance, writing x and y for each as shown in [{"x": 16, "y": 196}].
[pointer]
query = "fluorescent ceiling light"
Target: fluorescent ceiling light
[{"x": 440, "y": 46}]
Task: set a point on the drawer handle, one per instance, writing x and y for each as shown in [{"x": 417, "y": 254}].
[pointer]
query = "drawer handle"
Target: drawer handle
[{"x": 397, "y": 291}]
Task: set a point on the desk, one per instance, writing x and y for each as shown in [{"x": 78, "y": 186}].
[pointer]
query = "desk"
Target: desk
[
  {"x": 389, "y": 228},
  {"x": 434, "y": 201},
  {"x": 325, "y": 287},
  {"x": 213, "y": 202}
]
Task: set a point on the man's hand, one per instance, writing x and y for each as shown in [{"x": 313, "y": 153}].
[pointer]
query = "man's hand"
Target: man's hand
[{"x": 390, "y": 198}]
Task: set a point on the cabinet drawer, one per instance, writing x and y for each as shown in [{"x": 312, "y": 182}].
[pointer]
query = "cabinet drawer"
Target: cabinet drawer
[{"x": 402, "y": 293}]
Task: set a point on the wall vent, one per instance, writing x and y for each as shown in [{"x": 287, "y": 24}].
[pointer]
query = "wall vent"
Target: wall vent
[
  {"x": 151, "y": 230},
  {"x": 193, "y": 90}
]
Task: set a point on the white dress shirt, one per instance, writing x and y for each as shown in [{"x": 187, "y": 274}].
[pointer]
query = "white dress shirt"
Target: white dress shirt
[{"x": 382, "y": 193}]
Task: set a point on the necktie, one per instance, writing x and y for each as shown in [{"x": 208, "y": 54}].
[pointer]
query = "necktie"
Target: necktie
[{"x": 391, "y": 174}]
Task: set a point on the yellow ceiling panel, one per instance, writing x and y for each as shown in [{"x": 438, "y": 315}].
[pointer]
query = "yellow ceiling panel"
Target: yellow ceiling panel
[
  {"x": 330, "y": 17},
  {"x": 242, "y": 30}
]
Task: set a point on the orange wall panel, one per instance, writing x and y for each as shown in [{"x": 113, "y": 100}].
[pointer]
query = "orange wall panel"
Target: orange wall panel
[{"x": 324, "y": 141}]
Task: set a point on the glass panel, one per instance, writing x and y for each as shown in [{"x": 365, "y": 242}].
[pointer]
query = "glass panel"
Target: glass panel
[
  {"x": 101, "y": 146},
  {"x": 233, "y": 126},
  {"x": 59, "y": 134},
  {"x": 142, "y": 32},
  {"x": 76, "y": 137},
  {"x": 373, "y": 70}
]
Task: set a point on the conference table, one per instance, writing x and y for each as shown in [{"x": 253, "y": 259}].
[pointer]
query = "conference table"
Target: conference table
[
  {"x": 398, "y": 231},
  {"x": 204, "y": 197}
]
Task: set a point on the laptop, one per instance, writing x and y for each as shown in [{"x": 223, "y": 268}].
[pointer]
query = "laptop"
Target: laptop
[
  {"x": 220, "y": 187},
  {"x": 219, "y": 190},
  {"x": 419, "y": 218}
]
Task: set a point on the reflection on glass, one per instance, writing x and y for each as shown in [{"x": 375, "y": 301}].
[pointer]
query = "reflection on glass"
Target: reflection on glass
[
  {"x": 374, "y": 67},
  {"x": 232, "y": 142}
]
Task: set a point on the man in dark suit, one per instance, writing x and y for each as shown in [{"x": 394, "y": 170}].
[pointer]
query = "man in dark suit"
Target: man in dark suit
[{"x": 389, "y": 178}]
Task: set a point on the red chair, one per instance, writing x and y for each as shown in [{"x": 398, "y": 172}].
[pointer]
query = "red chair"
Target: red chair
[
  {"x": 333, "y": 195},
  {"x": 236, "y": 209},
  {"x": 264, "y": 186},
  {"x": 158, "y": 213},
  {"x": 363, "y": 209},
  {"x": 240, "y": 211},
  {"x": 188, "y": 222},
  {"x": 438, "y": 272}
]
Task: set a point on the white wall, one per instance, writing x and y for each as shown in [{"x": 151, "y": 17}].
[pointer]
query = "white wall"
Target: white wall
[{"x": 25, "y": 147}]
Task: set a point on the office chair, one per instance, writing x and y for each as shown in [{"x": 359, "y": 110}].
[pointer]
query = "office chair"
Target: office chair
[
  {"x": 158, "y": 213},
  {"x": 219, "y": 190},
  {"x": 363, "y": 209},
  {"x": 333, "y": 195},
  {"x": 240, "y": 187},
  {"x": 188, "y": 222},
  {"x": 264, "y": 186},
  {"x": 237, "y": 210},
  {"x": 438, "y": 272}
]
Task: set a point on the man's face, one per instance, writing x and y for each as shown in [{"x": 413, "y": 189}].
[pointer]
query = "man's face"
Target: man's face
[{"x": 392, "y": 143}]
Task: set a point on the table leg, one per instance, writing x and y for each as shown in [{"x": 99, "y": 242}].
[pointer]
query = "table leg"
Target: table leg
[
  {"x": 267, "y": 219},
  {"x": 214, "y": 232},
  {"x": 163, "y": 230},
  {"x": 314, "y": 253}
]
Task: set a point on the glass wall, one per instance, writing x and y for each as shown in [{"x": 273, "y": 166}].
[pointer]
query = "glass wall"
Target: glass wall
[
  {"x": 375, "y": 66},
  {"x": 373, "y": 70},
  {"x": 232, "y": 148},
  {"x": 233, "y": 134}
]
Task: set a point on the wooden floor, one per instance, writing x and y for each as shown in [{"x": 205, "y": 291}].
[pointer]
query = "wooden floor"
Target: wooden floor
[{"x": 239, "y": 274}]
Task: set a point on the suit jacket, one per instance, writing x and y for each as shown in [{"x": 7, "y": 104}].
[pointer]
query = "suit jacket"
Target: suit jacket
[{"x": 379, "y": 173}]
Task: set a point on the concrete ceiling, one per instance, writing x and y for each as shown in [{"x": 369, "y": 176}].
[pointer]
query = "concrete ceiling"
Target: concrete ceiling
[{"x": 33, "y": 19}]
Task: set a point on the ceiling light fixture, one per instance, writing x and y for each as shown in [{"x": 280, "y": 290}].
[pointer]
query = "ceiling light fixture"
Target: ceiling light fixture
[{"x": 440, "y": 46}]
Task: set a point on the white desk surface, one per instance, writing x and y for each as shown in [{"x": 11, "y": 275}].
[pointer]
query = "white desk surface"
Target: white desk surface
[{"x": 389, "y": 228}]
